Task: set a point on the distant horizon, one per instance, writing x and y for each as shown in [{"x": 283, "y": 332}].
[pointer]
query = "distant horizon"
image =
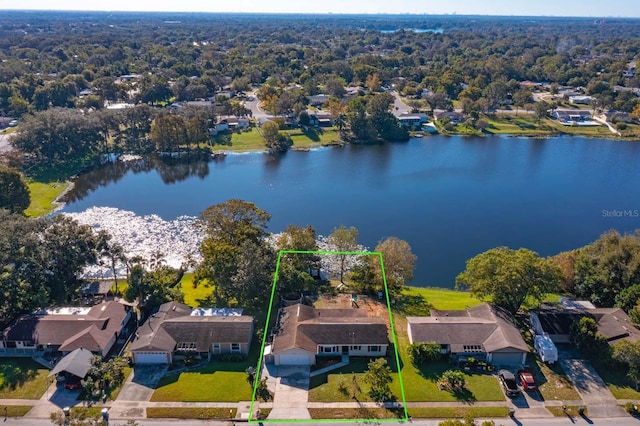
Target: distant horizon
[
  {"x": 205, "y": 12},
  {"x": 499, "y": 8}
]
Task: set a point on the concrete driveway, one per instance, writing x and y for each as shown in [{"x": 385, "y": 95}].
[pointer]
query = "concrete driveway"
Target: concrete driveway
[
  {"x": 599, "y": 400},
  {"x": 291, "y": 394},
  {"x": 142, "y": 382}
]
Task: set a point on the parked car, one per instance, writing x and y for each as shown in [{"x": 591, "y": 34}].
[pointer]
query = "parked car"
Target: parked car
[
  {"x": 526, "y": 381},
  {"x": 508, "y": 382}
]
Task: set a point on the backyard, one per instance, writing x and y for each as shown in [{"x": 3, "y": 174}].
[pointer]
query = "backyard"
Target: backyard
[{"x": 22, "y": 378}]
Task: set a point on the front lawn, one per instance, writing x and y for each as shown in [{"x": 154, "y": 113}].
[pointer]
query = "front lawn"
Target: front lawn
[
  {"x": 215, "y": 382},
  {"x": 618, "y": 383},
  {"x": 553, "y": 384},
  {"x": 22, "y": 378},
  {"x": 420, "y": 384}
]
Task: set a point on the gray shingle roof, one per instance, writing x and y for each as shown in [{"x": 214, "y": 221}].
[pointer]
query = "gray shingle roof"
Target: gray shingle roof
[
  {"x": 77, "y": 363},
  {"x": 304, "y": 327},
  {"x": 482, "y": 325},
  {"x": 174, "y": 324}
]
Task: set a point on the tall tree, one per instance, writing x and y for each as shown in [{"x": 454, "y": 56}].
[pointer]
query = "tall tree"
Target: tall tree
[
  {"x": 15, "y": 195},
  {"x": 343, "y": 240},
  {"x": 378, "y": 376},
  {"x": 399, "y": 263},
  {"x": 237, "y": 261},
  {"x": 508, "y": 276},
  {"x": 274, "y": 141}
]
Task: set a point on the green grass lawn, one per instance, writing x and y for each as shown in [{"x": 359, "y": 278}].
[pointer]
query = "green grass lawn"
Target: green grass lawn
[
  {"x": 194, "y": 297},
  {"x": 15, "y": 410},
  {"x": 252, "y": 140},
  {"x": 618, "y": 382},
  {"x": 43, "y": 194},
  {"x": 528, "y": 125},
  {"x": 419, "y": 300},
  {"x": 190, "y": 413},
  {"x": 22, "y": 378},
  {"x": 215, "y": 382},
  {"x": 553, "y": 384}
]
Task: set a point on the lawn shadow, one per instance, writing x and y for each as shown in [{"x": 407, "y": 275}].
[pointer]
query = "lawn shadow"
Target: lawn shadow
[
  {"x": 313, "y": 134},
  {"x": 464, "y": 395},
  {"x": 15, "y": 375},
  {"x": 412, "y": 305}
]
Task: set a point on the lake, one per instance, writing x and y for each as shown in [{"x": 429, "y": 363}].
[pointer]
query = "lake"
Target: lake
[{"x": 449, "y": 197}]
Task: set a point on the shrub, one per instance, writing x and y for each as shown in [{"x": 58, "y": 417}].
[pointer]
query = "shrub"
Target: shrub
[
  {"x": 232, "y": 357},
  {"x": 421, "y": 353},
  {"x": 452, "y": 380},
  {"x": 631, "y": 408}
]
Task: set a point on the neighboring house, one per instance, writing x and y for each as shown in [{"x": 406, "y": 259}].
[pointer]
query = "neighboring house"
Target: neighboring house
[
  {"x": 581, "y": 100},
  {"x": 574, "y": 117},
  {"x": 454, "y": 117},
  {"x": 321, "y": 119},
  {"x": 318, "y": 100},
  {"x": 65, "y": 329},
  {"x": 305, "y": 332},
  {"x": 482, "y": 332},
  {"x": 556, "y": 321},
  {"x": 616, "y": 116},
  {"x": 412, "y": 120},
  {"x": 229, "y": 122},
  {"x": 176, "y": 328}
]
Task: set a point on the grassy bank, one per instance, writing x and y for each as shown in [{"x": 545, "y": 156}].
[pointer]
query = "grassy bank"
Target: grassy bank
[
  {"x": 252, "y": 140},
  {"x": 43, "y": 196},
  {"x": 528, "y": 125}
]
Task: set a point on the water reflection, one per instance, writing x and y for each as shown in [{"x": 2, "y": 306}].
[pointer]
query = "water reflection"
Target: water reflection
[{"x": 170, "y": 169}]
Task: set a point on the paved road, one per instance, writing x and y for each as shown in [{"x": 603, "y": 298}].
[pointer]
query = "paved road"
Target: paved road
[
  {"x": 256, "y": 112},
  {"x": 4, "y": 143},
  {"x": 399, "y": 107}
]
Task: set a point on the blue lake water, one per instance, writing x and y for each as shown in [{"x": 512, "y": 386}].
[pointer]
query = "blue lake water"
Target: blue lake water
[{"x": 449, "y": 197}]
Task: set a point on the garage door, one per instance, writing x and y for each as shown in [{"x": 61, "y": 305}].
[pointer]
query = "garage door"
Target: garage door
[
  {"x": 506, "y": 358},
  {"x": 151, "y": 358},
  {"x": 294, "y": 360}
]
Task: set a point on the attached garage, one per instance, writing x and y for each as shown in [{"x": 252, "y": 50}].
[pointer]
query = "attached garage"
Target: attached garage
[
  {"x": 507, "y": 358},
  {"x": 295, "y": 357},
  {"x": 151, "y": 358}
]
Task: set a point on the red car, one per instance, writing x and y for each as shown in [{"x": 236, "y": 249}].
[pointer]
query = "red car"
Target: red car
[{"x": 525, "y": 379}]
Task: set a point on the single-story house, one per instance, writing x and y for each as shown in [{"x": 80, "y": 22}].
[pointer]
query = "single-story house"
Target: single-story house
[
  {"x": 581, "y": 99},
  {"x": 454, "y": 117},
  {"x": 305, "y": 332},
  {"x": 177, "y": 328},
  {"x": 321, "y": 119},
  {"x": 556, "y": 321},
  {"x": 412, "y": 119},
  {"x": 619, "y": 116},
  {"x": 66, "y": 329},
  {"x": 318, "y": 100},
  {"x": 482, "y": 332}
]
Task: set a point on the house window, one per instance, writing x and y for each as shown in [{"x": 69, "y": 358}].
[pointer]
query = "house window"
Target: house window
[
  {"x": 187, "y": 346},
  {"x": 328, "y": 349},
  {"x": 216, "y": 347},
  {"x": 374, "y": 348},
  {"x": 235, "y": 347},
  {"x": 472, "y": 348},
  {"x": 355, "y": 348}
]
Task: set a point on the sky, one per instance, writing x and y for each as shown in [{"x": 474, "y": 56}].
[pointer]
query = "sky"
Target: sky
[{"x": 591, "y": 8}]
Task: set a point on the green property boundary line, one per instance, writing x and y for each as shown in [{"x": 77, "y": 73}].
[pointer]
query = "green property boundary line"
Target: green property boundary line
[{"x": 266, "y": 331}]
